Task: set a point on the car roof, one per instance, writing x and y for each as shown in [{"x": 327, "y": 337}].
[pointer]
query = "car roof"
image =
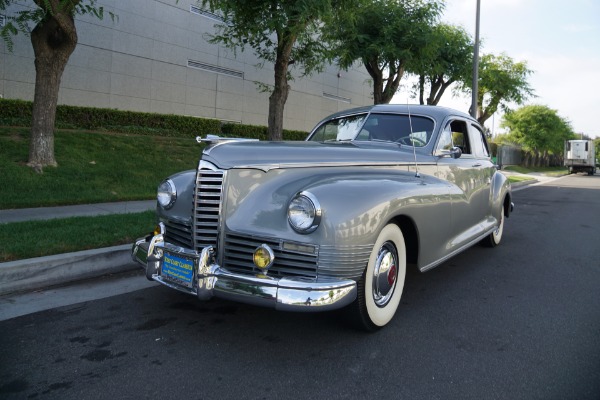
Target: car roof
[{"x": 436, "y": 112}]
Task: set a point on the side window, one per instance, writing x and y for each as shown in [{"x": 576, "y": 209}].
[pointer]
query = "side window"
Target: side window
[
  {"x": 445, "y": 142},
  {"x": 460, "y": 136},
  {"x": 479, "y": 144},
  {"x": 325, "y": 132}
]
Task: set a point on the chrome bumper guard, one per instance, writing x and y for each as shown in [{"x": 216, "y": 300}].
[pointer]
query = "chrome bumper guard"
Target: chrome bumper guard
[{"x": 210, "y": 279}]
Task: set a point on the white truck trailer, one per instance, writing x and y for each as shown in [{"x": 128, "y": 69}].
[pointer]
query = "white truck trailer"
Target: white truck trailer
[{"x": 580, "y": 156}]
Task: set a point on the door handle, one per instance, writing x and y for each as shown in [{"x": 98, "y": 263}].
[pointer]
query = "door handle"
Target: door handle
[{"x": 476, "y": 165}]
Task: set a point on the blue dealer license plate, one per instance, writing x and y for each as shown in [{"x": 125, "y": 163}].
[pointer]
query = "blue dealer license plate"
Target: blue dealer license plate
[{"x": 177, "y": 269}]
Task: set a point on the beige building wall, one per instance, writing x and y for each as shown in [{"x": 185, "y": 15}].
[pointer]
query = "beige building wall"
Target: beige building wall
[{"x": 154, "y": 57}]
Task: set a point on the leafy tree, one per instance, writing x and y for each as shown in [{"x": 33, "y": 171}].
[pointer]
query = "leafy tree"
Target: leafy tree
[
  {"x": 387, "y": 36},
  {"x": 501, "y": 82},
  {"x": 539, "y": 129},
  {"x": 54, "y": 38},
  {"x": 282, "y": 32},
  {"x": 448, "y": 59}
]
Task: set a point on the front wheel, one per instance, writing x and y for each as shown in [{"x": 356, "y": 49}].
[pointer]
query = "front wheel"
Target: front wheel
[{"x": 380, "y": 288}]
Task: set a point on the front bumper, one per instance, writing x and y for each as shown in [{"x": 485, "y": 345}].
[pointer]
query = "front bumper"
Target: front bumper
[{"x": 211, "y": 280}]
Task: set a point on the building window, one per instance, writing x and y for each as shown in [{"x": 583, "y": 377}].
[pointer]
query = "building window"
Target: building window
[
  {"x": 207, "y": 14},
  {"x": 2, "y": 20},
  {"x": 337, "y": 98},
  {"x": 217, "y": 70}
]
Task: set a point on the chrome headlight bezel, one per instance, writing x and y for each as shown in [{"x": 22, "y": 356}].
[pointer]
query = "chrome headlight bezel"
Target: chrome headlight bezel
[
  {"x": 166, "y": 194},
  {"x": 304, "y": 212}
]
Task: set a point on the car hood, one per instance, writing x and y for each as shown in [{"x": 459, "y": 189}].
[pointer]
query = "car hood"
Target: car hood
[{"x": 272, "y": 155}]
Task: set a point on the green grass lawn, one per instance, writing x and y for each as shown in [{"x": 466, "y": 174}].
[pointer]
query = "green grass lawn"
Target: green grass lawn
[
  {"x": 520, "y": 178},
  {"x": 549, "y": 171},
  {"x": 31, "y": 239},
  {"x": 92, "y": 167}
]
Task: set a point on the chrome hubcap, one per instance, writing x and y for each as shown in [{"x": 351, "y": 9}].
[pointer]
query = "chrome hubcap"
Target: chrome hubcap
[{"x": 385, "y": 274}]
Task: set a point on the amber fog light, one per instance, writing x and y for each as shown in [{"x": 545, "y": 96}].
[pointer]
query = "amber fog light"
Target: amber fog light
[
  {"x": 159, "y": 229},
  {"x": 263, "y": 257}
]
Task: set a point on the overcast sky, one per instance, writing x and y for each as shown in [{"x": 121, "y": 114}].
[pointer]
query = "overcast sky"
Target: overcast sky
[{"x": 560, "y": 40}]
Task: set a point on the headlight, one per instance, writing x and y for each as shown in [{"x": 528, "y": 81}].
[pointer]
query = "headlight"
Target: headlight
[
  {"x": 167, "y": 194},
  {"x": 304, "y": 212}
]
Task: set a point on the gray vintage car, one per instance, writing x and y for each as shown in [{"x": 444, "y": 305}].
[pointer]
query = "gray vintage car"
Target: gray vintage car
[{"x": 332, "y": 221}]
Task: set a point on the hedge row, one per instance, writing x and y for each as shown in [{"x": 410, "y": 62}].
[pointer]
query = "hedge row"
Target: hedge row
[
  {"x": 257, "y": 132},
  {"x": 18, "y": 113}
]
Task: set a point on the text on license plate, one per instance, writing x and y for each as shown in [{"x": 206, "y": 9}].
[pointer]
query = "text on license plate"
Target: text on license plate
[{"x": 178, "y": 269}]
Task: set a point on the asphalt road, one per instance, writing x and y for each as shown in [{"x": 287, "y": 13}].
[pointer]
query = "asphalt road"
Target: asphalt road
[{"x": 521, "y": 321}]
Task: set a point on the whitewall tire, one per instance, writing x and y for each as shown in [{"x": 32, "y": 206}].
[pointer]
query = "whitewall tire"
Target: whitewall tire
[
  {"x": 380, "y": 289},
  {"x": 495, "y": 237}
]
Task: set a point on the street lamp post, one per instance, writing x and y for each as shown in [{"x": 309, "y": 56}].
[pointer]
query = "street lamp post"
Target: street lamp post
[{"x": 474, "y": 107}]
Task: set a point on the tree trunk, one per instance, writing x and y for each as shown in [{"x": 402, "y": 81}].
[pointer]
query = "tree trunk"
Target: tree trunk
[
  {"x": 54, "y": 40},
  {"x": 383, "y": 93},
  {"x": 281, "y": 88},
  {"x": 440, "y": 92},
  {"x": 375, "y": 73},
  {"x": 421, "y": 89},
  {"x": 277, "y": 101},
  {"x": 393, "y": 82}
]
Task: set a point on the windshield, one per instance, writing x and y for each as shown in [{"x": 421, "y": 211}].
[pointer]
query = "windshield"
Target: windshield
[{"x": 377, "y": 127}]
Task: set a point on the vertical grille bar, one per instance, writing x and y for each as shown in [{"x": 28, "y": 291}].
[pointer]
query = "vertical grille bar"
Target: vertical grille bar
[{"x": 207, "y": 205}]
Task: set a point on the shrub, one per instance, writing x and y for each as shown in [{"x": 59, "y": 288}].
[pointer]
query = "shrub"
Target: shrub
[
  {"x": 18, "y": 113},
  {"x": 257, "y": 132}
]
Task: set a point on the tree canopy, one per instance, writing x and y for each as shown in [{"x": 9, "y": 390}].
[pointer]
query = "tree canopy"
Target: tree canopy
[
  {"x": 387, "y": 36},
  {"x": 538, "y": 128},
  {"x": 448, "y": 59},
  {"x": 502, "y": 81},
  {"x": 282, "y": 32}
]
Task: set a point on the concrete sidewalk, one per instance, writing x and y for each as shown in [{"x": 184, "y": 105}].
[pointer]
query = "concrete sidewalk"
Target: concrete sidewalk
[
  {"x": 83, "y": 210},
  {"x": 43, "y": 272}
]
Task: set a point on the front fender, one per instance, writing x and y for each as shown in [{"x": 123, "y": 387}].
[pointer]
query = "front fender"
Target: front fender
[
  {"x": 356, "y": 203},
  {"x": 182, "y": 208}
]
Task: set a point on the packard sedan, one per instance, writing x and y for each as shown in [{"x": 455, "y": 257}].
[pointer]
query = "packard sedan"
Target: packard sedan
[{"x": 332, "y": 221}]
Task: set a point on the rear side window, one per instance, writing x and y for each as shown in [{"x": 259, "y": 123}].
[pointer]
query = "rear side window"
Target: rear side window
[{"x": 479, "y": 144}]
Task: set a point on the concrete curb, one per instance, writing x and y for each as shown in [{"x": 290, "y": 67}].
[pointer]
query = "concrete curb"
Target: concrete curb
[
  {"x": 524, "y": 183},
  {"x": 42, "y": 272}
]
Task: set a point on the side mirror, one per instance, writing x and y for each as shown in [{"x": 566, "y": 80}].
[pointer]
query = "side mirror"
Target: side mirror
[{"x": 455, "y": 152}]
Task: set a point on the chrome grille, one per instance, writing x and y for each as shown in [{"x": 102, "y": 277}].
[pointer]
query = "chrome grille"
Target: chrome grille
[
  {"x": 237, "y": 257},
  {"x": 207, "y": 205},
  {"x": 178, "y": 233}
]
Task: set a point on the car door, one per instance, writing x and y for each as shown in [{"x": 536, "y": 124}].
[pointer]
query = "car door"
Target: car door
[
  {"x": 485, "y": 170},
  {"x": 466, "y": 180}
]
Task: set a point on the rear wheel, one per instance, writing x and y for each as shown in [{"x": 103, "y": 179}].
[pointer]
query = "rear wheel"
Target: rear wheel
[
  {"x": 495, "y": 237},
  {"x": 380, "y": 288}
]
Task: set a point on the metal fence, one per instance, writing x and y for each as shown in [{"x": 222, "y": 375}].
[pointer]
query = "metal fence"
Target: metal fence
[{"x": 509, "y": 155}]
